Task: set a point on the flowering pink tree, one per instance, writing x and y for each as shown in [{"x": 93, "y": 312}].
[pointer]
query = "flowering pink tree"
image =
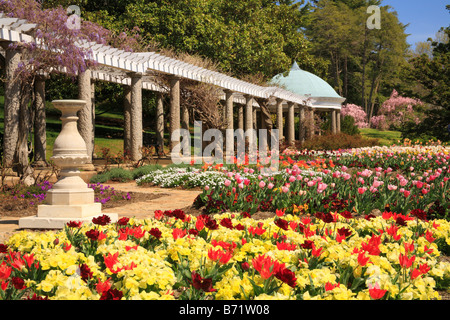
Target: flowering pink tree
[
  {"x": 357, "y": 113},
  {"x": 396, "y": 111}
]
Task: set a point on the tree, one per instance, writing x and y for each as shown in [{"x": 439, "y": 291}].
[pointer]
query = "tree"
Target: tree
[
  {"x": 432, "y": 74},
  {"x": 242, "y": 37},
  {"x": 364, "y": 63}
]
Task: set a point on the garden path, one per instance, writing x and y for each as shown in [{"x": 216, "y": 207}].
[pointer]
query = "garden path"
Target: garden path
[{"x": 169, "y": 199}]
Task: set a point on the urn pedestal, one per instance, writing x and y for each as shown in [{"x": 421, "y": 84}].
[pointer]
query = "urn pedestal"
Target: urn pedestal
[{"x": 70, "y": 198}]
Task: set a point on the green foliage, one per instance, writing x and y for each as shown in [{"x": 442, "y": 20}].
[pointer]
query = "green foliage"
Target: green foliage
[
  {"x": 115, "y": 174},
  {"x": 124, "y": 175},
  {"x": 142, "y": 171},
  {"x": 338, "y": 141},
  {"x": 243, "y": 37},
  {"x": 347, "y": 126},
  {"x": 431, "y": 75}
]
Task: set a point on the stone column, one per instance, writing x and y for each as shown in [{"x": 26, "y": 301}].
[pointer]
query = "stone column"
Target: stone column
[
  {"x": 11, "y": 106},
  {"x": 174, "y": 110},
  {"x": 241, "y": 116},
  {"x": 160, "y": 124},
  {"x": 136, "y": 136},
  {"x": 291, "y": 123},
  {"x": 338, "y": 121},
  {"x": 301, "y": 124},
  {"x": 280, "y": 118},
  {"x": 86, "y": 122},
  {"x": 255, "y": 118},
  {"x": 249, "y": 117},
  {"x": 229, "y": 109},
  {"x": 127, "y": 121},
  {"x": 40, "y": 131}
]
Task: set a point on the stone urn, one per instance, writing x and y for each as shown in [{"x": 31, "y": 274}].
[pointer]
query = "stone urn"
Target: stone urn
[
  {"x": 69, "y": 149},
  {"x": 70, "y": 198}
]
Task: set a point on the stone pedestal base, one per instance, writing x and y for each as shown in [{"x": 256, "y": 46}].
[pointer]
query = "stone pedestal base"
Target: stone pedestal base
[
  {"x": 65, "y": 206},
  {"x": 37, "y": 222}
]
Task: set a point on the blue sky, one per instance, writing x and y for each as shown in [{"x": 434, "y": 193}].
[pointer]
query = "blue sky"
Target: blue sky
[{"x": 425, "y": 17}]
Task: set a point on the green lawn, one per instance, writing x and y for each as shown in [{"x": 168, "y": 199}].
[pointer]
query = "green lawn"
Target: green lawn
[{"x": 385, "y": 137}]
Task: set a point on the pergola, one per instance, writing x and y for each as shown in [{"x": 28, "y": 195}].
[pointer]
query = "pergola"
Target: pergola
[{"x": 136, "y": 71}]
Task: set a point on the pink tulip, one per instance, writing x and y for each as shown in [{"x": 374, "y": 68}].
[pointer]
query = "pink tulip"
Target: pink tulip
[
  {"x": 392, "y": 187},
  {"x": 227, "y": 182},
  {"x": 292, "y": 179},
  {"x": 262, "y": 184},
  {"x": 321, "y": 187},
  {"x": 270, "y": 185},
  {"x": 285, "y": 189}
]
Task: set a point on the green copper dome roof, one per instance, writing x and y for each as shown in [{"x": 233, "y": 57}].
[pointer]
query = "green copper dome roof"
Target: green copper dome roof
[{"x": 304, "y": 83}]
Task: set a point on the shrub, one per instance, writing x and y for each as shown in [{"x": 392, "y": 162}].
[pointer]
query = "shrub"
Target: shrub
[
  {"x": 144, "y": 170},
  {"x": 115, "y": 174},
  {"x": 347, "y": 126},
  {"x": 338, "y": 141}
]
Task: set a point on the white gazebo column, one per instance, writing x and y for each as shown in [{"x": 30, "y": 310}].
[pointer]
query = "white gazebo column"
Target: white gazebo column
[
  {"x": 160, "y": 123},
  {"x": 333, "y": 121},
  {"x": 86, "y": 115},
  {"x": 127, "y": 121},
  {"x": 301, "y": 124},
  {"x": 280, "y": 119},
  {"x": 136, "y": 117},
  {"x": 174, "y": 110},
  {"x": 291, "y": 123},
  {"x": 40, "y": 131},
  {"x": 338, "y": 121},
  {"x": 11, "y": 106}
]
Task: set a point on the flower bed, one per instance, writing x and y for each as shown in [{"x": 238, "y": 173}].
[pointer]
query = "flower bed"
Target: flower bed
[
  {"x": 400, "y": 180},
  {"x": 359, "y": 224},
  {"x": 177, "y": 256}
]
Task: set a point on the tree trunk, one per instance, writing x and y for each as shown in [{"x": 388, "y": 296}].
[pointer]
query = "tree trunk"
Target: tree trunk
[
  {"x": 346, "y": 76},
  {"x": 12, "y": 107},
  {"x": 363, "y": 76},
  {"x": 21, "y": 154},
  {"x": 40, "y": 132}
]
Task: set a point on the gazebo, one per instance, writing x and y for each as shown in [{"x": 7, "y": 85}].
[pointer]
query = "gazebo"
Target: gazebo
[{"x": 322, "y": 98}]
